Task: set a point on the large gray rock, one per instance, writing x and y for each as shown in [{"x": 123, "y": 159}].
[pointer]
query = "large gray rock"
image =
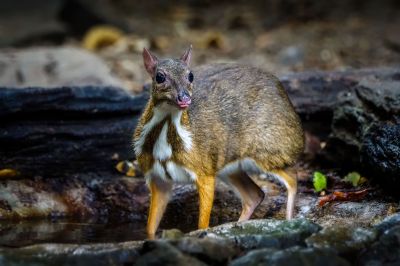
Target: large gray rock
[
  {"x": 295, "y": 256},
  {"x": 53, "y": 67},
  {"x": 163, "y": 253},
  {"x": 384, "y": 251},
  {"x": 254, "y": 234},
  {"x": 343, "y": 240}
]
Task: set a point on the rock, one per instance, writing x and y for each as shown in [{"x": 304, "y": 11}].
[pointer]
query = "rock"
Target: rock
[
  {"x": 209, "y": 250},
  {"x": 343, "y": 240},
  {"x": 163, "y": 253},
  {"x": 372, "y": 103},
  {"x": 316, "y": 95},
  {"x": 291, "y": 256},
  {"x": 385, "y": 251},
  {"x": 53, "y": 67},
  {"x": 66, "y": 130},
  {"x": 76, "y": 196},
  {"x": 71, "y": 254},
  {"x": 256, "y": 234},
  {"x": 388, "y": 222},
  {"x": 380, "y": 154}
]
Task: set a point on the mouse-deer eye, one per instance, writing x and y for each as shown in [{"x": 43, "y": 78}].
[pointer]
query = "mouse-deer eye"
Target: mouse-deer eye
[
  {"x": 190, "y": 77},
  {"x": 160, "y": 78}
]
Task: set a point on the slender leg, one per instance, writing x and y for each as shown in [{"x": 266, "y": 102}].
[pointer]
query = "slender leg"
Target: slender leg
[
  {"x": 291, "y": 186},
  {"x": 205, "y": 186},
  {"x": 160, "y": 193},
  {"x": 249, "y": 192}
]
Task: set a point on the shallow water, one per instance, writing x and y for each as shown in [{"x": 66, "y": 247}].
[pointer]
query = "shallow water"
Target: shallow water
[{"x": 23, "y": 233}]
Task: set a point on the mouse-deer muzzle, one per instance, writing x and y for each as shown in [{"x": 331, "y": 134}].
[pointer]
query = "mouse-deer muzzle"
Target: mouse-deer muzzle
[{"x": 183, "y": 100}]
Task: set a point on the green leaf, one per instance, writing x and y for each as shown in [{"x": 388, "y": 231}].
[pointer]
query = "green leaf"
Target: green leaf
[
  {"x": 353, "y": 178},
  {"x": 319, "y": 181}
]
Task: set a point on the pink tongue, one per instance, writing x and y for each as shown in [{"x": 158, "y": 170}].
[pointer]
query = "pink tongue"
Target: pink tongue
[{"x": 184, "y": 103}]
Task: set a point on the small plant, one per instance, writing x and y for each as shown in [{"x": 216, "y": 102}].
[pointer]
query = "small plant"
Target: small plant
[
  {"x": 354, "y": 178},
  {"x": 319, "y": 181}
]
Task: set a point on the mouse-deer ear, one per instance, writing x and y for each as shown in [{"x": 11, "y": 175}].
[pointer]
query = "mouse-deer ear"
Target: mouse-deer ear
[
  {"x": 150, "y": 61},
  {"x": 187, "y": 56}
]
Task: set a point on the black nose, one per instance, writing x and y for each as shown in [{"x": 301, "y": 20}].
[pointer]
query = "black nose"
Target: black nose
[{"x": 183, "y": 96}]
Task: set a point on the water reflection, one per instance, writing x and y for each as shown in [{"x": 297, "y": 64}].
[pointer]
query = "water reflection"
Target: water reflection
[{"x": 23, "y": 233}]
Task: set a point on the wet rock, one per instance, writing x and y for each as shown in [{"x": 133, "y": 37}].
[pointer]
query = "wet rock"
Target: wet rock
[
  {"x": 380, "y": 154},
  {"x": 163, "y": 253},
  {"x": 385, "y": 251},
  {"x": 53, "y": 67},
  {"x": 364, "y": 213},
  {"x": 71, "y": 254},
  {"x": 211, "y": 251},
  {"x": 256, "y": 234},
  {"x": 388, "y": 222},
  {"x": 343, "y": 240},
  {"x": 291, "y": 256}
]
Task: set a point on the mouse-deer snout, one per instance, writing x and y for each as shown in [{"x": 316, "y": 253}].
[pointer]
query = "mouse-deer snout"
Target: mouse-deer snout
[{"x": 183, "y": 99}]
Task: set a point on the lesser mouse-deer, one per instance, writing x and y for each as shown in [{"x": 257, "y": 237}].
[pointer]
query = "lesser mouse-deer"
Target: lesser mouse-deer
[{"x": 219, "y": 121}]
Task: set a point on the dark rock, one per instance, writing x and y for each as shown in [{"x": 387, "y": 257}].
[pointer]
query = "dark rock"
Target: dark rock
[
  {"x": 162, "y": 253},
  {"x": 256, "y": 234},
  {"x": 211, "y": 251},
  {"x": 291, "y": 256},
  {"x": 68, "y": 130},
  {"x": 380, "y": 154},
  {"x": 71, "y": 254},
  {"x": 388, "y": 222},
  {"x": 385, "y": 251},
  {"x": 343, "y": 240},
  {"x": 365, "y": 131}
]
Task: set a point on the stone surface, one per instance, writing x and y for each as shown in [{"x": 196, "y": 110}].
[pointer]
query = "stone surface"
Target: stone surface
[
  {"x": 292, "y": 256},
  {"x": 53, "y": 67},
  {"x": 380, "y": 153},
  {"x": 209, "y": 250},
  {"x": 373, "y": 101},
  {"x": 71, "y": 254},
  {"x": 385, "y": 251},
  {"x": 256, "y": 234},
  {"x": 162, "y": 253},
  {"x": 343, "y": 240},
  {"x": 66, "y": 130}
]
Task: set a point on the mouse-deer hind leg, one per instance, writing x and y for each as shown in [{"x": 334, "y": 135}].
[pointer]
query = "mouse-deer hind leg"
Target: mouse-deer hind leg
[
  {"x": 205, "y": 186},
  {"x": 249, "y": 192},
  {"x": 160, "y": 194},
  {"x": 291, "y": 186}
]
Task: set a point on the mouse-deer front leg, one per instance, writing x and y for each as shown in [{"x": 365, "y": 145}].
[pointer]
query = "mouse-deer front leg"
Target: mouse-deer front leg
[
  {"x": 160, "y": 193},
  {"x": 205, "y": 186}
]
